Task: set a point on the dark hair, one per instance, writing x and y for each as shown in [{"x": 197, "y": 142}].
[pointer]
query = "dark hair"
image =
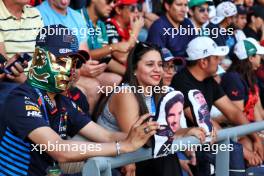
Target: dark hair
[
  {"x": 249, "y": 17},
  {"x": 88, "y": 3},
  {"x": 173, "y": 101},
  {"x": 196, "y": 92},
  {"x": 191, "y": 63},
  {"x": 134, "y": 57},
  {"x": 245, "y": 69},
  {"x": 167, "y": 2}
]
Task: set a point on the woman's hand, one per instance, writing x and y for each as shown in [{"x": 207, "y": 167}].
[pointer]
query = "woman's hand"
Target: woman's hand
[{"x": 140, "y": 133}]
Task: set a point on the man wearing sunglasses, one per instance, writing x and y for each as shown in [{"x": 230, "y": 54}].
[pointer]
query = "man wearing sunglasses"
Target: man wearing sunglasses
[
  {"x": 199, "y": 13},
  {"x": 124, "y": 25}
]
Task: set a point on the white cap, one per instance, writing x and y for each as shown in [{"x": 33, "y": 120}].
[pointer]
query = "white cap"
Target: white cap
[
  {"x": 248, "y": 47},
  {"x": 202, "y": 47},
  {"x": 223, "y": 10}
]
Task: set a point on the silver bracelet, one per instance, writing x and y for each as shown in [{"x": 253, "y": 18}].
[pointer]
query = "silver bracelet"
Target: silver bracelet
[{"x": 118, "y": 147}]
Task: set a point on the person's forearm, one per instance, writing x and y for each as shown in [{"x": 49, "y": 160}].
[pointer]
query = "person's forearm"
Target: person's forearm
[
  {"x": 118, "y": 136},
  {"x": 72, "y": 151},
  {"x": 97, "y": 54},
  {"x": 181, "y": 133}
]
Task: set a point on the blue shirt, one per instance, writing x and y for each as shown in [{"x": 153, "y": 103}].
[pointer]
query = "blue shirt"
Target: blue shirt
[
  {"x": 163, "y": 34},
  {"x": 73, "y": 20},
  {"x": 23, "y": 113},
  {"x": 234, "y": 86}
]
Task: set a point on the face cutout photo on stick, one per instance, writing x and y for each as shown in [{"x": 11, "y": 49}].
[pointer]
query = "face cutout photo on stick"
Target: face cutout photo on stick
[
  {"x": 170, "y": 116},
  {"x": 201, "y": 111}
]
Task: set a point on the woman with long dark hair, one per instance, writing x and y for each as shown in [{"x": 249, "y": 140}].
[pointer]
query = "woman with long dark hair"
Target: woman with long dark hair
[
  {"x": 240, "y": 85},
  {"x": 139, "y": 93}
]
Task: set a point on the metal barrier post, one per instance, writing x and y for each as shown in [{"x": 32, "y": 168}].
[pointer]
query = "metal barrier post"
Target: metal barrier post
[
  {"x": 222, "y": 160},
  {"x": 97, "y": 166}
]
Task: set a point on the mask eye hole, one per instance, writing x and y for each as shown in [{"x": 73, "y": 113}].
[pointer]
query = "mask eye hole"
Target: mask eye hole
[{"x": 61, "y": 62}]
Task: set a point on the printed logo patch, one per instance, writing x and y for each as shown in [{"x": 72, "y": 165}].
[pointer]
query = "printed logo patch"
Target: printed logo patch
[
  {"x": 34, "y": 114},
  {"x": 32, "y": 108}
]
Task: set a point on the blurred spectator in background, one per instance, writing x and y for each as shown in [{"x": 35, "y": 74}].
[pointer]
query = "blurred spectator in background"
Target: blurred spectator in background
[
  {"x": 240, "y": 22},
  {"x": 167, "y": 31},
  {"x": 169, "y": 66},
  {"x": 220, "y": 24},
  {"x": 59, "y": 12},
  {"x": 240, "y": 82},
  {"x": 124, "y": 25},
  {"x": 19, "y": 26},
  {"x": 151, "y": 10},
  {"x": 240, "y": 85},
  {"x": 97, "y": 40},
  {"x": 199, "y": 14},
  {"x": 255, "y": 23},
  {"x": 248, "y": 3}
]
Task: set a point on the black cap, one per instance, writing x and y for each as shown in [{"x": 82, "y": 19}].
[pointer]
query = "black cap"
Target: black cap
[
  {"x": 60, "y": 41},
  {"x": 241, "y": 9}
]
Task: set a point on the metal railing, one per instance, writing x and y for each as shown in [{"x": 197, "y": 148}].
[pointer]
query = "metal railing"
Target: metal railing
[{"x": 101, "y": 166}]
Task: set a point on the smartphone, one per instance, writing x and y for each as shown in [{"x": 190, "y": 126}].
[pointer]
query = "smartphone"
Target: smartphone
[
  {"x": 20, "y": 59},
  {"x": 2, "y": 61},
  {"x": 105, "y": 60}
]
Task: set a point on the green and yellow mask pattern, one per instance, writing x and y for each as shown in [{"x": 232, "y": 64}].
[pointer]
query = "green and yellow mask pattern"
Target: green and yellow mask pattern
[{"x": 50, "y": 73}]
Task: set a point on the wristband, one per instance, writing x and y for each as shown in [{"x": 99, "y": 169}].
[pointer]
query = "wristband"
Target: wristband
[{"x": 118, "y": 147}]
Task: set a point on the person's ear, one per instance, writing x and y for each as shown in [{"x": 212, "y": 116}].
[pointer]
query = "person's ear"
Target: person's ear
[
  {"x": 118, "y": 10},
  {"x": 251, "y": 58},
  {"x": 167, "y": 6},
  {"x": 191, "y": 13},
  {"x": 203, "y": 63}
]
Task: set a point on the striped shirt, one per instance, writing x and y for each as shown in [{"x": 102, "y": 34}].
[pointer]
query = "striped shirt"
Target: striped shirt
[{"x": 19, "y": 35}]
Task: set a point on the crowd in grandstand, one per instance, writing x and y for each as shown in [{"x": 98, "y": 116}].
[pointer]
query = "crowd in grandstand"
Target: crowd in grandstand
[{"x": 93, "y": 74}]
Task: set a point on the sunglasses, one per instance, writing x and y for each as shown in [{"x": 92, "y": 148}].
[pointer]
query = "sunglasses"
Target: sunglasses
[
  {"x": 203, "y": 10},
  {"x": 144, "y": 45},
  {"x": 133, "y": 8}
]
